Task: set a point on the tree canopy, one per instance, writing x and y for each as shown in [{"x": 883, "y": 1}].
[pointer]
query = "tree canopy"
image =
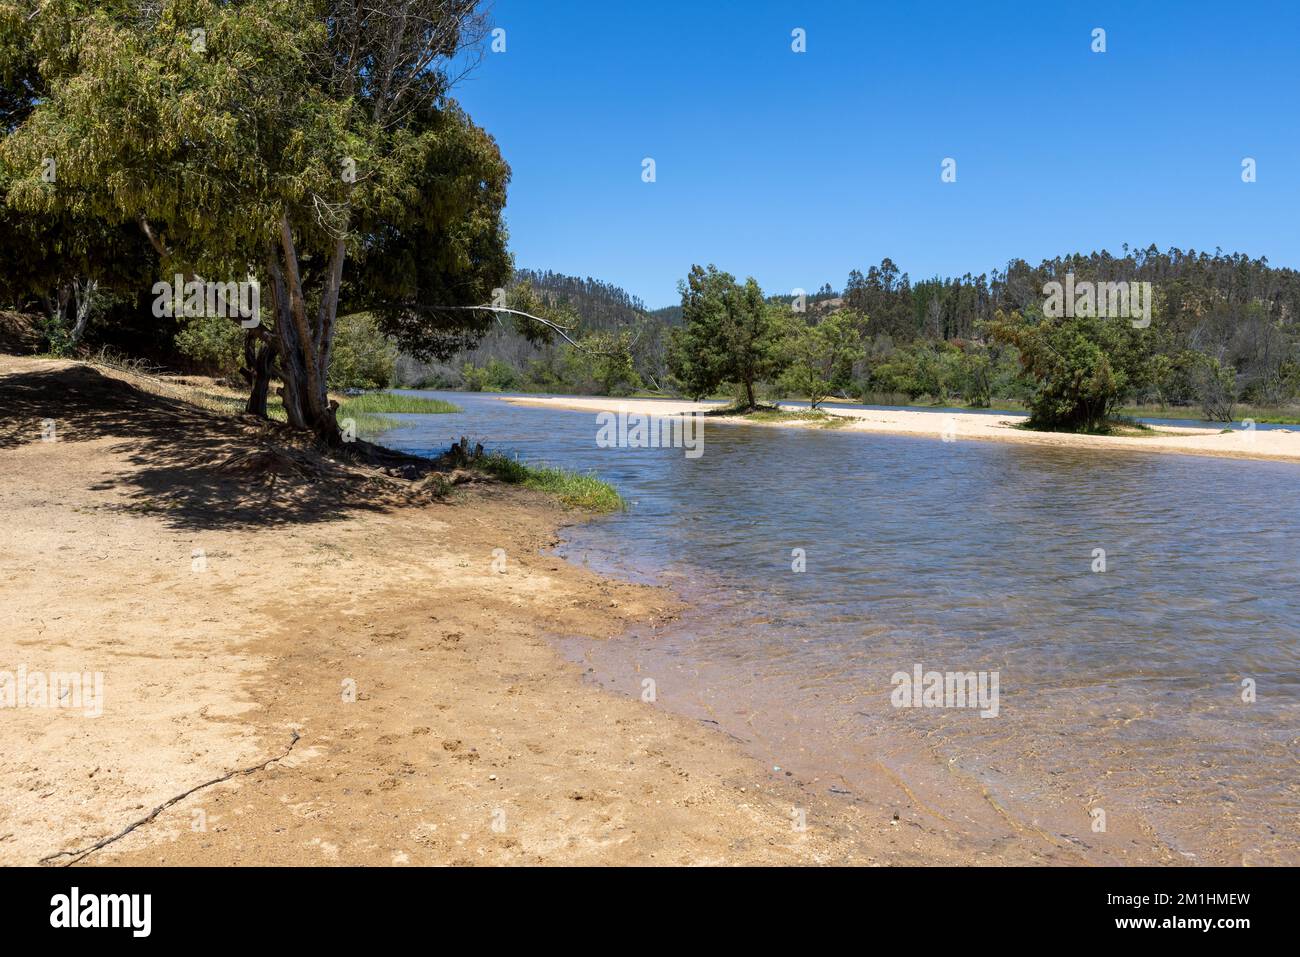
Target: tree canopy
[
  {"x": 729, "y": 333},
  {"x": 279, "y": 140}
]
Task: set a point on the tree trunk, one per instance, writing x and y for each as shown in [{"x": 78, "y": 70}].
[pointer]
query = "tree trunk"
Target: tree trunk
[
  {"x": 304, "y": 350},
  {"x": 58, "y": 305},
  {"x": 749, "y": 393},
  {"x": 84, "y": 294},
  {"x": 258, "y": 358}
]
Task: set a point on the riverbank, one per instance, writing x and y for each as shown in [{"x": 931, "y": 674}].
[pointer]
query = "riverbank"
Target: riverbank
[
  {"x": 335, "y": 649},
  {"x": 1271, "y": 444}
]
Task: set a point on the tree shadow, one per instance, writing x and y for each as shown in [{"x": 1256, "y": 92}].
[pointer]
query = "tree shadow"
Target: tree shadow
[{"x": 200, "y": 470}]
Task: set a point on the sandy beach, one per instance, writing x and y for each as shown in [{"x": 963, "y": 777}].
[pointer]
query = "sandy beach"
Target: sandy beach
[
  {"x": 337, "y": 653},
  {"x": 1275, "y": 444}
]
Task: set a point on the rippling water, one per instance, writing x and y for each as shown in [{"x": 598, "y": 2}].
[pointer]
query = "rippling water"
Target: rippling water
[{"x": 1120, "y": 691}]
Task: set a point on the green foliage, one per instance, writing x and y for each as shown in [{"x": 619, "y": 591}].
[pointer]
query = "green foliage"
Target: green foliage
[
  {"x": 729, "y": 334},
  {"x": 297, "y": 141},
  {"x": 574, "y": 489},
  {"x": 818, "y": 356},
  {"x": 364, "y": 357},
  {"x": 1215, "y": 385},
  {"x": 975, "y": 372},
  {"x": 495, "y": 376},
  {"x": 602, "y": 364},
  {"x": 1083, "y": 367},
  {"x": 214, "y": 343},
  {"x": 945, "y": 372}
]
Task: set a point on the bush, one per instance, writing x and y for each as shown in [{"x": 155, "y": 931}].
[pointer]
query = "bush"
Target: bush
[
  {"x": 215, "y": 344},
  {"x": 1216, "y": 387},
  {"x": 1082, "y": 367},
  {"x": 495, "y": 376},
  {"x": 363, "y": 357}
]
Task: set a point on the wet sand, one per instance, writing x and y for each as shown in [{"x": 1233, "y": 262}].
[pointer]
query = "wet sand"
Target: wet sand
[{"x": 1274, "y": 444}]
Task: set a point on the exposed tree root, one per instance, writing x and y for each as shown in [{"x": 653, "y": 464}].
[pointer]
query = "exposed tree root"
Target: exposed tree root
[{"x": 76, "y": 856}]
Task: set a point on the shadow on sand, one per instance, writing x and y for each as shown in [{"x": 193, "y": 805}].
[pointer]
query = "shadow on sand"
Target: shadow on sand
[{"x": 200, "y": 470}]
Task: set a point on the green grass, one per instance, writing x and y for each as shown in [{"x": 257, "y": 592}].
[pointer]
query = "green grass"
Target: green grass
[
  {"x": 367, "y": 410},
  {"x": 769, "y": 413},
  {"x": 1127, "y": 425},
  {"x": 1120, "y": 425},
  {"x": 380, "y": 402},
  {"x": 1270, "y": 415},
  {"x": 572, "y": 488},
  {"x": 367, "y": 424}
]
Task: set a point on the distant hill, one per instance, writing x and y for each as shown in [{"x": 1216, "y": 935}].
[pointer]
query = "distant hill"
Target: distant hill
[
  {"x": 600, "y": 307},
  {"x": 668, "y": 315},
  {"x": 603, "y": 306}
]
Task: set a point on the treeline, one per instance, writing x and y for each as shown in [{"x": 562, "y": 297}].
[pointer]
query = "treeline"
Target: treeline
[
  {"x": 1224, "y": 326},
  {"x": 1222, "y": 331}
]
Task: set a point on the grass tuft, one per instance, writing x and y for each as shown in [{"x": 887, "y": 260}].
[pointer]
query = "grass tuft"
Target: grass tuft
[
  {"x": 574, "y": 489},
  {"x": 773, "y": 414}
]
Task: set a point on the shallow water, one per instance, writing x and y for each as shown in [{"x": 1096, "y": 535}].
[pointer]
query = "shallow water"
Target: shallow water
[{"x": 1118, "y": 690}]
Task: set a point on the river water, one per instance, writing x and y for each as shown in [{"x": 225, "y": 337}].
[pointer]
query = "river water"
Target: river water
[{"x": 819, "y": 565}]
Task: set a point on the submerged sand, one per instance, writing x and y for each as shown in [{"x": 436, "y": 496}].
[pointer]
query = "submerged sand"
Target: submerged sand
[{"x": 1239, "y": 443}]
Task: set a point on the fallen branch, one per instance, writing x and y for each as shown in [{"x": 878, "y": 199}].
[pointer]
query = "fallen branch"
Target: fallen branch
[
  {"x": 554, "y": 326},
  {"x": 86, "y": 852}
]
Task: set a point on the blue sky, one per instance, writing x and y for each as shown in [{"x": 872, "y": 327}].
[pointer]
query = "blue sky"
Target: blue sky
[{"x": 796, "y": 168}]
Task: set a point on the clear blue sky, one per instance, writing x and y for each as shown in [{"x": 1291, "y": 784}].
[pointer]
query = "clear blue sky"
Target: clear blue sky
[{"x": 796, "y": 168}]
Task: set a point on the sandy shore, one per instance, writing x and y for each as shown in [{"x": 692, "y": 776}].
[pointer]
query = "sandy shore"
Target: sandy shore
[
  {"x": 233, "y": 606},
  {"x": 1275, "y": 444}
]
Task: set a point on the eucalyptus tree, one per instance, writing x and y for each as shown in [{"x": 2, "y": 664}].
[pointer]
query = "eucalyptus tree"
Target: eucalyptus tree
[
  {"x": 278, "y": 140},
  {"x": 72, "y": 263}
]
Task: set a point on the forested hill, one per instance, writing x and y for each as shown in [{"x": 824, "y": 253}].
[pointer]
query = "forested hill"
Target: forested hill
[
  {"x": 1238, "y": 312},
  {"x": 1200, "y": 294},
  {"x": 600, "y": 305},
  {"x": 506, "y": 360}
]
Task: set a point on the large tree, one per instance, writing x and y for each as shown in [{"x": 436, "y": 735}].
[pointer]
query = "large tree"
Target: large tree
[
  {"x": 283, "y": 140},
  {"x": 69, "y": 262},
  {"x": 729, "y": 333}
]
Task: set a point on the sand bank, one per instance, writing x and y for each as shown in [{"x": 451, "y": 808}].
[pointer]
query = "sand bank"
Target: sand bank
[{"x": 1275, "y": 444}]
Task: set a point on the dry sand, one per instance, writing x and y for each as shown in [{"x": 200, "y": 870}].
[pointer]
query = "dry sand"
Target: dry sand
[
  {"x": 1275, "y": 444},
  {"x": 469, "y": 740}
]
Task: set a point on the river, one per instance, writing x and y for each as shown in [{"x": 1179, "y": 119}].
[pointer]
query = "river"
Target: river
[{"x": 1148, "y": 711}]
